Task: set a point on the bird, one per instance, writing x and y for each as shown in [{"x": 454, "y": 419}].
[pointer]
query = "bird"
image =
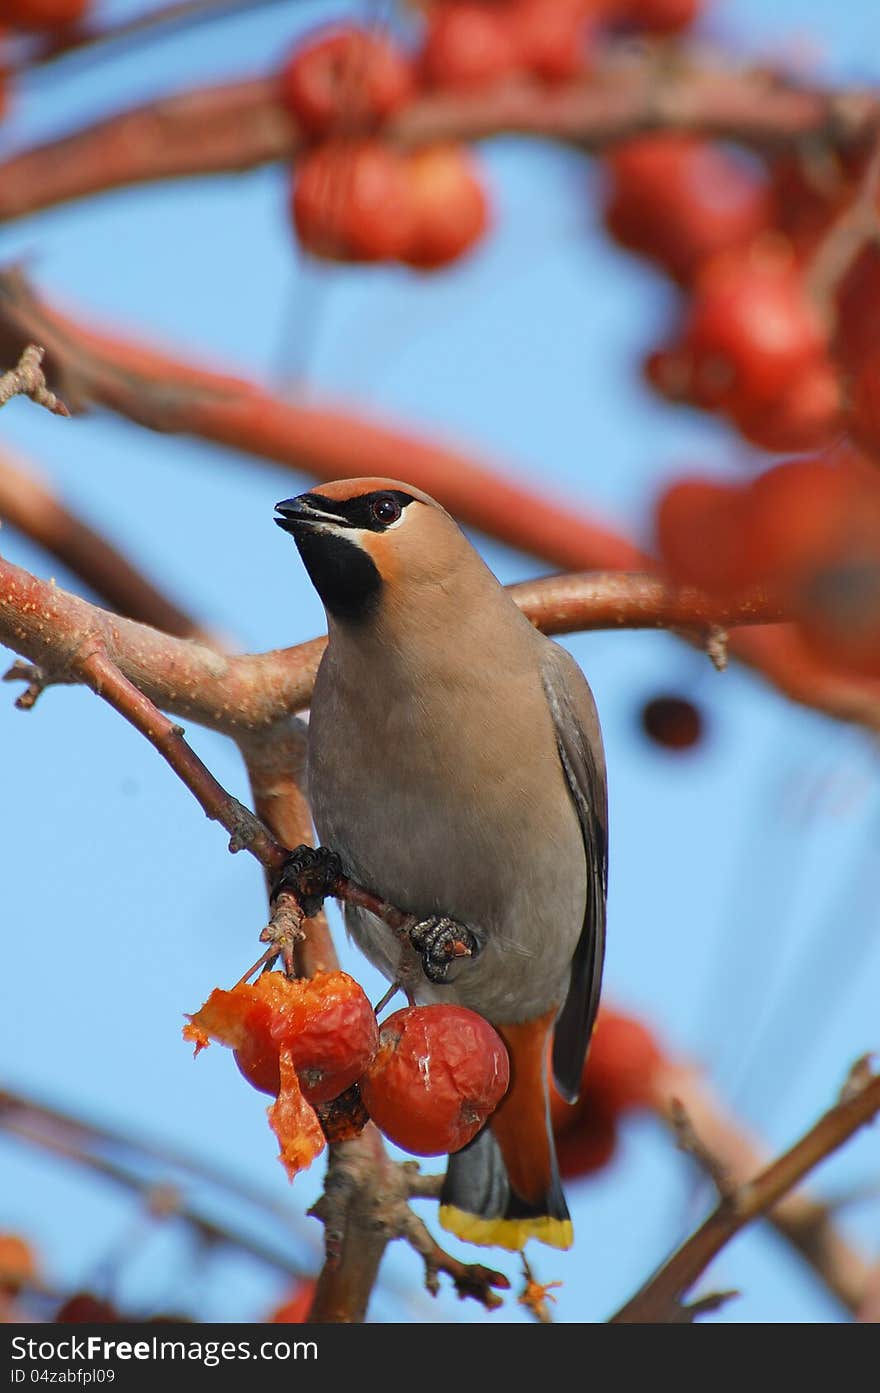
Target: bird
[{"x": 455, "y": 766}]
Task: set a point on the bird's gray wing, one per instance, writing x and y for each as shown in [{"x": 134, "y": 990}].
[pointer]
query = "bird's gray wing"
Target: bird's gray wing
[{"x": 579, "y": 741}]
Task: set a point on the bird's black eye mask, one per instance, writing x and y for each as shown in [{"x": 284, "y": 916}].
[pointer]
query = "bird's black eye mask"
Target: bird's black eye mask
[
  {"x": 343, "y": 573},
  {"x": 372, "y": 512}
]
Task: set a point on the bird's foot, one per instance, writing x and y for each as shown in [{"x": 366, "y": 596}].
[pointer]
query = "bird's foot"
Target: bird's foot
[
  {"x": 439, "y": 943},
  {"x": 311, "y": 874}
]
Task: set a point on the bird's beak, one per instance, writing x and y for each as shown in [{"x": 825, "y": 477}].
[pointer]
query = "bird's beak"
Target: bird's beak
[{"x": 299, "y": 513}]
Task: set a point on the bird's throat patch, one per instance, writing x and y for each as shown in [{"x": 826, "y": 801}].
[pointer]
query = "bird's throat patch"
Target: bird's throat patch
[{"x": 344, "y": 575}]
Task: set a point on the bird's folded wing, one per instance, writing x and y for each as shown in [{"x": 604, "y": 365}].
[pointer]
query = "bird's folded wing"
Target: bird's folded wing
[{"x": 579, "y": 742}]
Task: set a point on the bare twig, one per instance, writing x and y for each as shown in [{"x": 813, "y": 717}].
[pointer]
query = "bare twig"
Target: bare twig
[
  {"x": 852, "y": 230},
  {"x": 167, "y": 394},
  {"x": 90, "y": 663},
  {"x": 470, "y": 1279},
  {"x": 26, "y": 379},
  {"x": 145, "y": 1169},
  {"x": 723, "y": 1148},
  {"x": 660, "y": 1299},
  {"x": 690, "y": 1141}
]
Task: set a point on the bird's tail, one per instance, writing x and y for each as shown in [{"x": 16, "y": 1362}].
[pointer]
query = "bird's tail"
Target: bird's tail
[{"x": 503, "y": 1188}]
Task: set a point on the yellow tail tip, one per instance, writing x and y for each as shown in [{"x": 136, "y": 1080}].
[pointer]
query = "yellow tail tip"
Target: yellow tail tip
[{"x": 512, "y": 1234}]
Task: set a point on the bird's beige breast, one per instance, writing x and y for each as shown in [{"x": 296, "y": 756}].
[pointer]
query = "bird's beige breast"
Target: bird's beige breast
[{"x": 445, "y": 795}]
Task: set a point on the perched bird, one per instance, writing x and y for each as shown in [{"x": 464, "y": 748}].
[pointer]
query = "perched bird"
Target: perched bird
[{"x": 455, "y": 766}]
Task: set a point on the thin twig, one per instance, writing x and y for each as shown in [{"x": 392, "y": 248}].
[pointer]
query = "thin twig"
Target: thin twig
[
  {"x": 856, "y": 227},
  {"x": 242, "y": 125},
  {"x": 470, "y": 1279},
  {"x": 246, "y": 832},
  {"x": 26, "y": 379},
  {"x": 725, "y": 1151},
  {"x": 132, "y": 1165}
]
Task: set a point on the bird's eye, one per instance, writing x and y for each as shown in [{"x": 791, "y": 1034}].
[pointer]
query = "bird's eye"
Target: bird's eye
[{"x": 385, "y": 510}]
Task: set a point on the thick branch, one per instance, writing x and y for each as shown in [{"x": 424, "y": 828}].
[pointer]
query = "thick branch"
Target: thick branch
[
  {"x": 244, "y": 695},
  {"x": 242, "y": 125},
  {"x": 275, "y": 762},
  {"x": 660, "y": 1299},
  {"x": 166, "y": 394}
]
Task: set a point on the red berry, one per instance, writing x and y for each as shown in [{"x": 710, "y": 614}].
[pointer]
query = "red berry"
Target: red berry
[
  {"x": 619, "y": 1075},
  {"x": 43, "y": 14},
  {"x": 324, "y": 1023},
  {"x": 552, "y": 37},
  {"x": 468, "y": 46},
  {"x": 623, "y": 1060},
  {"x": 752, "y": 330},
  {"x": 18, "y": 1263},
  {"x": 680, "y": 200},
  {"x": 699, "y": 526},
  {"x": 352, "y": 202},
  {"x": 672, "y": 721},
  {"x": 449, "y": 208},
  {"x": 660, "y": 16},
  {"x": 344, "y": 81},
  {"x": 85, "y": 1309},
  {"x": 841, "y": 613},
  {"x": 670, "y": 372},
  {"x": 857, "y": 336},
  {"x": 807, "y": 415},
  {"x": 805, "y": 201},
  {"x": 589, "y": 1143},
  {"x": 864, "y": 402},
  {"x": 437, "y": 1075},
  {"x": 801, "y": 515}
]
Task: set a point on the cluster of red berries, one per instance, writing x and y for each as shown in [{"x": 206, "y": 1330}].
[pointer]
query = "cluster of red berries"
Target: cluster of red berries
[
  {"x": 359, "y": 197},
  {"x": 429, "y": 1076},
  {"x": 806, "y": 530},
  {"x": 789, "y": 356},
  {"x": 756, "y": 340}
]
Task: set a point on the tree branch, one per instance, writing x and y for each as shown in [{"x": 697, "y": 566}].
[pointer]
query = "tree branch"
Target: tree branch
[
  {"x": 242, "y": 125},
  {"x": 134, "y": 1168},
  {"x": 166, "y": 394},
  {"x": 26, "y": 379},
  {"x": 660, "y": 1299},
  {"x": 731, "y": 1157},
  {"x": 246, "y": 694}
]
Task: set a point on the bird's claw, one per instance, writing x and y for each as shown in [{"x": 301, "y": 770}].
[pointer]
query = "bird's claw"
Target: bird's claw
[
  {"x": 440, "y": 942},
  {"x": 310, "y": 873}
]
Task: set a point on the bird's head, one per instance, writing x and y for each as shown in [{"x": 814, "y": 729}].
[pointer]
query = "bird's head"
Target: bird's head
[{"x": 363, "y": 538}]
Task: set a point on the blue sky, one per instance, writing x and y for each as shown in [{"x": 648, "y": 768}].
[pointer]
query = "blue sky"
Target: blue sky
[{"x": 743, "y": 899}]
